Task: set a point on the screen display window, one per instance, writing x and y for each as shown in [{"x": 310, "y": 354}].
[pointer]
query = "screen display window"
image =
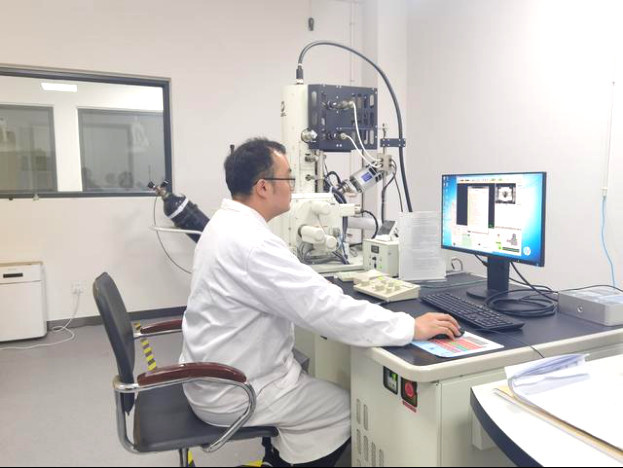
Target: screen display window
[
  {"x": 495, "y": 214},
  {"x": 366, "y": 176}
]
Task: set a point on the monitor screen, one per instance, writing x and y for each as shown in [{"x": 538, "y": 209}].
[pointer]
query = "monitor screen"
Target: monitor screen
[{"x": 497, "y": 215}]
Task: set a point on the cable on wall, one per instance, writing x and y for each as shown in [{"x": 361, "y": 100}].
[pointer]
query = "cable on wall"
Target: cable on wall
[{"x": 604, "y": 189}]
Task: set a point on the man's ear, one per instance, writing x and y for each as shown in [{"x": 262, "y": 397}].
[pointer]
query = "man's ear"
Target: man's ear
[{"x": 261, "y": 188}]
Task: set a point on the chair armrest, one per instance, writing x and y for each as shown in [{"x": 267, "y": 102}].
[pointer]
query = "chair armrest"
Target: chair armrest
[
  {"x": 191, "y": 370},
  {"x": 188, "y": 372},
  {"x": 159, "y": 328}
]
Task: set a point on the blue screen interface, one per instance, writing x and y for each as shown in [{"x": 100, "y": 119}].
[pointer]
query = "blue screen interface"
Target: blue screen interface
[{"x": 495, "y": 214}]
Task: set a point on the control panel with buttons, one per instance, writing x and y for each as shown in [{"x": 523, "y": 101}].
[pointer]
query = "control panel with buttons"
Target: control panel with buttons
[{"x": 381, "y": 255}]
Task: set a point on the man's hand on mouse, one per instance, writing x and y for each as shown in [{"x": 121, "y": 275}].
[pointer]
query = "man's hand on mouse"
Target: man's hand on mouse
[{"x": 435, "y": 323}]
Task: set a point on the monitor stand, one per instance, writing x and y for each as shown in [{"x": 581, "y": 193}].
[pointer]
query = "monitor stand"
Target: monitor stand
[{"x": 497, "y": 279}]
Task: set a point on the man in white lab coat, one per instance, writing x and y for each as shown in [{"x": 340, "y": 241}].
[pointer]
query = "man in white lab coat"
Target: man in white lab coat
[{"x": 248, "y": 291}]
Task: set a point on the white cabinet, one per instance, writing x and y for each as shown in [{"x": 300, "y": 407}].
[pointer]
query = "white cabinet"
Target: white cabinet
[{"x": 22, "y": 302}]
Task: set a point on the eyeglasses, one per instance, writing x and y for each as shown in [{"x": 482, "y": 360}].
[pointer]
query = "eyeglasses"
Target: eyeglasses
[{"x": 292, "y": 180}]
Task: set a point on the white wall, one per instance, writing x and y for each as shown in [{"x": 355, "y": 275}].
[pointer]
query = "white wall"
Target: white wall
[
  {"x": 227, "y": 62},
  {"x": 385, "y": 42},
  {"x": 487, "y": 86},
  {"x": 523, "y": 85}
]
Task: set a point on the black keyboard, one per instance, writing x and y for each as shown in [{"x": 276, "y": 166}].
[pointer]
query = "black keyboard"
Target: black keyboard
[{"x": 476, "y": 315}]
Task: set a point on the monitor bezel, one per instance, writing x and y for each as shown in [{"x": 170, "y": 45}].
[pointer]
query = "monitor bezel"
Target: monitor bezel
[{"x": 541, "y": 261}]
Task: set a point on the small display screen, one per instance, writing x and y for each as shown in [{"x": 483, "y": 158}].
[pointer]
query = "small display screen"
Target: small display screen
[
  {"x": 386, "y": 228},
  {"x": 375, "y": 249},
  {"x": 366, "y": 177}
]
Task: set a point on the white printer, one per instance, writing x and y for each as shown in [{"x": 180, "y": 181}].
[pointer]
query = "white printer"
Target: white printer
[{"x": 22, "y": 304}]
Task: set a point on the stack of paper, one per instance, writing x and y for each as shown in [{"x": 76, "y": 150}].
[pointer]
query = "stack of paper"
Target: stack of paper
[{"x": 564, "y": 388}]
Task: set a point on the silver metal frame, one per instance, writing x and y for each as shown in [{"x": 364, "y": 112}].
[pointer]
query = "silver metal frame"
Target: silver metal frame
[
  {"x": 123, "y": 388},
  {"x": 139, "y": 335}
]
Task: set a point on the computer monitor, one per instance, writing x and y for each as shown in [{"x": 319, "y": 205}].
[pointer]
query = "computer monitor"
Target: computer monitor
[{"x": 500, "y": 216}]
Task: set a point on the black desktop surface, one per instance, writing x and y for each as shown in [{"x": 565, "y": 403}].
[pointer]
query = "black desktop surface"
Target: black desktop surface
[{"x": 535, "y": 331}]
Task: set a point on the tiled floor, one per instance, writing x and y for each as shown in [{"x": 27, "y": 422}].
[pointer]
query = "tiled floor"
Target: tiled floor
[{"x": 57, "y": 406}]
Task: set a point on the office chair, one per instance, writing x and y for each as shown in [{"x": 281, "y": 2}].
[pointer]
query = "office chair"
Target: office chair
[{"x": 163, "y": 419}]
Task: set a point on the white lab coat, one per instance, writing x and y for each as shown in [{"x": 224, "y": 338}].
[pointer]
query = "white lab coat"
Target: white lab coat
[{"x": 248, "y": 291}]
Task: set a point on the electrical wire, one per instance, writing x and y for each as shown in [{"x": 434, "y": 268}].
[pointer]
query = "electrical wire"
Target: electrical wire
[
  {"x": 544, "y": 289},
  {"x": 366, "y": 160},
  {"x": 548, "y": 290},
  {"x": 534, "y": 288},
  {"x": 321, "y": 226},
  {"x": 604, "y": 189},
  {"x": 300, "y": 253},
  {"x": 538, "y": 304},
  {"x": 460, "y": 262},
  {"x": 400, "y": 196},
  {"x": 330, "y": 187},
  {"x": 376, "y": 222},
  {"x": 385, "y": 189},
  {"x": 352, "y": 249},
  {"x": 446, "y": 286},
  {"x": 524, "y": 283},
  {"x": 321, "y": 259},
  {"x": 299, "y": 79},
  {"x": 551, "y": 291},
  {"x": 529, "y": 305},
  {"x": 603, "y": 240},
  {"x": 339, "y": 197},
  {"x": 376, "y": 162},
  {"x": 593, "y": 286},
  {"x": 330, "y": 173},
  {"x": 162, "y": 244},
  {"x": 57, "y": 329},
  {"x": 509, "y": 336}
]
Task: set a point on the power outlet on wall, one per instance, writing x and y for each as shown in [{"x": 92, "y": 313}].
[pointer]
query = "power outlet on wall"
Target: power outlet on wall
[{"x": 77, "y": 288}]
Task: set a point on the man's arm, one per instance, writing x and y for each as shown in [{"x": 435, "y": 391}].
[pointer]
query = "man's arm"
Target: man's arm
[{"x": 294, "y": 291}]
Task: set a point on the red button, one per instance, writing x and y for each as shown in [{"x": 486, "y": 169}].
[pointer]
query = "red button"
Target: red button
[{"x": 409, "y": 389}]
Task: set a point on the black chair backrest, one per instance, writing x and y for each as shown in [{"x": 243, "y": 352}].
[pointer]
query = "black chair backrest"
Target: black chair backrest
[{"x": 119, "y": 330}]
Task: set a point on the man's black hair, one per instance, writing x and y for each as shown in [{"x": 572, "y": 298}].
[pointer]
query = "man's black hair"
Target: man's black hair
[{"x": 251, "y": 161}]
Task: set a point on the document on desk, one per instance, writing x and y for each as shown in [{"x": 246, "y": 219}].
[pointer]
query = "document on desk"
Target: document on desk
[
  {"x": 462, "y": 346},
  {"x": 566, "y": 388}
]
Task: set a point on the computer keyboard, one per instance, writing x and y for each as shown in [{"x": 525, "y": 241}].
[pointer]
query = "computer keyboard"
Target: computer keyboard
[{"x": 476, "y": 315}]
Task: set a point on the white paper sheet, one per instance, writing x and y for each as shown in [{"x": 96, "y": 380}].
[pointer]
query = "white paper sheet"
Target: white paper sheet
[
  {"x": 566, "y": 388},
  {"x": 420, "y": 246}
]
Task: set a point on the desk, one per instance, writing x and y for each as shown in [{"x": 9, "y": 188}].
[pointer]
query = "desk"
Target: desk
[
  {"x": 528, "y": 440},
  {"x": 438, "y": 430}
]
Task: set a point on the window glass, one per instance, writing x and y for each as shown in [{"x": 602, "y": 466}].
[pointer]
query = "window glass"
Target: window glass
[
  {"x": 27, "y": 159},
  {"x": 66, "y": 134},
  {"x": 120, "y": 151}
]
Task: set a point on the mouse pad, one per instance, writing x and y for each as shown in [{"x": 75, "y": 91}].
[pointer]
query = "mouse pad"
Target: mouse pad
[{"x": 462, "y": 346}]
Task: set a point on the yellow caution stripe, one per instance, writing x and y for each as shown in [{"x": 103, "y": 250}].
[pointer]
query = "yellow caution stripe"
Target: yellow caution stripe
[
  {"x": 151, "y": 365},
  {"x": 254, "y": 463}
]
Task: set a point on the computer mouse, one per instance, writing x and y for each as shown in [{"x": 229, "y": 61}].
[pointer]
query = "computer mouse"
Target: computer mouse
[{"x": 445, "y": 337}]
